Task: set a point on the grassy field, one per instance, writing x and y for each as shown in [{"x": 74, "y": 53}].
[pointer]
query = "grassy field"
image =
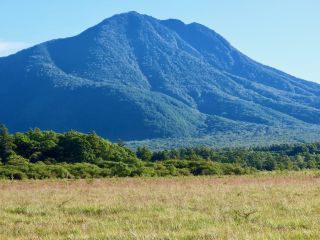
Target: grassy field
[{"x": 236, "y": 207}]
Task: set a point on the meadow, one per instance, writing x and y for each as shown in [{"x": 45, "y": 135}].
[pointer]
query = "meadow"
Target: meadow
[{"x": 263, "y": 206}]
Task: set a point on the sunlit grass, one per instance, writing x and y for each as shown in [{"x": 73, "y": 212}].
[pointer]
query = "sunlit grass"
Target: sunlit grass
[{"x": 236, "y": 207}]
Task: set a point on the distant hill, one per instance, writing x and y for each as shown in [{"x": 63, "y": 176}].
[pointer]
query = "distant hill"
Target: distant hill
[{"x": 134, "y": 77}]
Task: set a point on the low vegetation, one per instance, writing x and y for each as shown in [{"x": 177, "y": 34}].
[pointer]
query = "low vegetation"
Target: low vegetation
[
  {"x": 230, "y": 207},
  {"x": 40, "y": 154}
]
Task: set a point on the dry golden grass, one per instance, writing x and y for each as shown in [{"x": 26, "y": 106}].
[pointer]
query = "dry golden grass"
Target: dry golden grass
[{"x": 244, "y": 207}]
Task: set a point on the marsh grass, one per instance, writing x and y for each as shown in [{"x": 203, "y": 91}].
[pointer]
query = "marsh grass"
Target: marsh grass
[{"x": 236, "y": 207}]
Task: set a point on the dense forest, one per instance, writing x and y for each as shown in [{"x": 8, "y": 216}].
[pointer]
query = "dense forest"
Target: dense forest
[{"x": 38, "y": 154}]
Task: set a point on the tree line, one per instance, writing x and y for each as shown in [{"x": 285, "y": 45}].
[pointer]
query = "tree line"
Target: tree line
[{"x": 38, "y": 154}]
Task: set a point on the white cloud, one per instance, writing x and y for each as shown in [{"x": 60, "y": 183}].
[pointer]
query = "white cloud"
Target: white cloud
[{"x": 7, "y": 47}]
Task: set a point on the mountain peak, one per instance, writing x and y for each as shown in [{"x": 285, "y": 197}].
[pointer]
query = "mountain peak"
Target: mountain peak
[{"x": 127, "y": 15}]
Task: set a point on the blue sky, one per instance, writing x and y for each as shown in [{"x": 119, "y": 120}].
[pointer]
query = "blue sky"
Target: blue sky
[{"x": 281, "y": 33}]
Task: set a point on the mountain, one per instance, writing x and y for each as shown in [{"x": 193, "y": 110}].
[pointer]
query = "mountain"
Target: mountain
[{"x": 134, "y": 77}]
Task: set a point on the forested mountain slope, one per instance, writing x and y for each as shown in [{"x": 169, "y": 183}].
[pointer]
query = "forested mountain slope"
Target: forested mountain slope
[{"x": 135, "y": 77}]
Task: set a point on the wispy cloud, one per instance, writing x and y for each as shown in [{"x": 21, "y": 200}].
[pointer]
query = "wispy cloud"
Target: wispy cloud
[{"x": 8, "y": 47}]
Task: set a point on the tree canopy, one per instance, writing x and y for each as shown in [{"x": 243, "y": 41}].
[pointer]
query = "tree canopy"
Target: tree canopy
[{"x": 41, "y": 154}]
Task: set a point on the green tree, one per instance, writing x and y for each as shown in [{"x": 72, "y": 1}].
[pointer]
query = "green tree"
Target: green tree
[
  {"x": 6, "y": 144},
  {"x": 75, "y": 148},
  {"x": 144, "y": 154}
]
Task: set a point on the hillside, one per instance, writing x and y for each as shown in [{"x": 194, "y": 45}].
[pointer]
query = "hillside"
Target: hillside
[{"x": 134, "y": 77}]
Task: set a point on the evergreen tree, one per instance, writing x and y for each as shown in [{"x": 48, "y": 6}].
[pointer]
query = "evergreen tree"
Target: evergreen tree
[
  {"x": 6, "y": 144},
  {"x": 144, "y": 154}
]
